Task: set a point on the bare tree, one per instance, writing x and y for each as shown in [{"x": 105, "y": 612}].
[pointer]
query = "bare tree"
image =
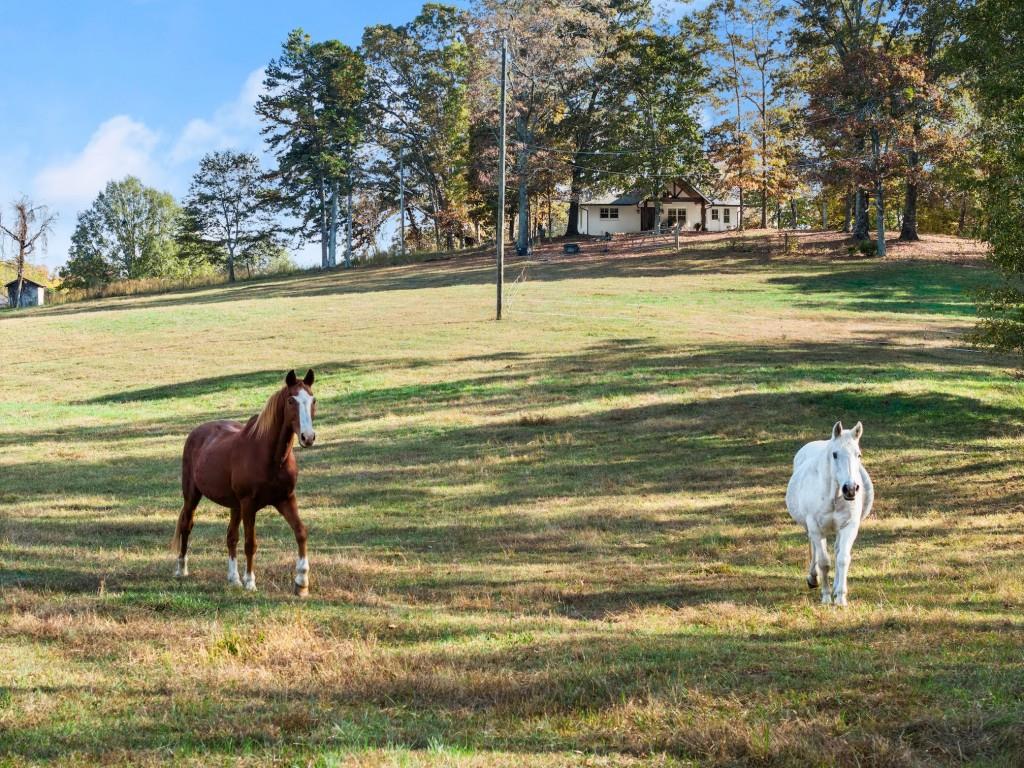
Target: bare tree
[{"x": 32, "y": 225}]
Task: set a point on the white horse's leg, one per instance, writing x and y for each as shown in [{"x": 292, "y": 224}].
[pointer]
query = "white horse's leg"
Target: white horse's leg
[
  {"x": 844, "y": 548},
  {"x": 821, "y": 563},
  {"x": 812, "y": 566}
]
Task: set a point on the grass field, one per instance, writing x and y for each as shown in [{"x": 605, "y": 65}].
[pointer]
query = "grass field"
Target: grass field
[{"x": 557, "y": 540}]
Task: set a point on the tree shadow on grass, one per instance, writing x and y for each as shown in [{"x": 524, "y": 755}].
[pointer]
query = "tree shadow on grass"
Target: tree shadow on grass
[
  {"x": 931, "y": 289},
  {"x": 895, "y": 287},
  {"x": 737, "y": 445}
]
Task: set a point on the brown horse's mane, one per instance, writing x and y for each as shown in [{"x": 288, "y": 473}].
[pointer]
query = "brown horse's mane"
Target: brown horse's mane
[{"x": 268, "y": 422}]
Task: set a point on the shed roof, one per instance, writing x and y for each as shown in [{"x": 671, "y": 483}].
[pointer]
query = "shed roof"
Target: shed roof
[{"x": 25, "y": 281}]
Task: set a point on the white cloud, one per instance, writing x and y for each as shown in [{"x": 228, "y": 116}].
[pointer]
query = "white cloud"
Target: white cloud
[
  {"x": 232, "y": 126},
  {"x": 123, "y": 145},
  {"x": 120, "y": 147}
]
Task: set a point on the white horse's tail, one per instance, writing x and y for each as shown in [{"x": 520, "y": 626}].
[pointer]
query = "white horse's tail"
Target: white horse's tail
[{"x": 869, "y": 493}]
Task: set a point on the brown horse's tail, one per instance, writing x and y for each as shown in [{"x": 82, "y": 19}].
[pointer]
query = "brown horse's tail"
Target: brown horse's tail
[{"x": 190, "y": 497}]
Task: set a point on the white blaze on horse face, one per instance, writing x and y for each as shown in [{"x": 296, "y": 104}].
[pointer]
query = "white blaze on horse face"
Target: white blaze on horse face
[
  {"x": 844, "y": 453},
  {"x": 305, "y": 403}
]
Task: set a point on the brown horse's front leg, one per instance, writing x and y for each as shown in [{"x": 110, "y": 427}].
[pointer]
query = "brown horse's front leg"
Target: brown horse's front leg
[
  {"x": 289, "y": 509},
  {"x": 249, "y": 521},
  {"x": 233, "y": 523}
]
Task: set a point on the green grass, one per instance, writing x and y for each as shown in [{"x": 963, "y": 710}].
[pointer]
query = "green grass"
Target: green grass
[{"x": 557, "y": 540}]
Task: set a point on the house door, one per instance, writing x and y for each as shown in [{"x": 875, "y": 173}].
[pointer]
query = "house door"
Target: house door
[{"x": 646, "y": 218}]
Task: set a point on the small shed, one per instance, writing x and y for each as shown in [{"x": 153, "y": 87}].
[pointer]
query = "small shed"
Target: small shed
[{"x": 32, "y": 293}]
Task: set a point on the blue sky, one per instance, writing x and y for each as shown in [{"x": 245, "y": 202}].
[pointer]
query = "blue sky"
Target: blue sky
[{"x": 97, "y": 89}]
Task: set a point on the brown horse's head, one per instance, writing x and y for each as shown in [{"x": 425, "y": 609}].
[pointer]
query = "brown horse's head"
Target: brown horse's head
[{"x": 300, "y": 407}]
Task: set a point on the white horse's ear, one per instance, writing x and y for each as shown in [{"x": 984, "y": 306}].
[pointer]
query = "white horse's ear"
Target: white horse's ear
[
  {"x": 837, "y": 430},
  {"x": 858, "y": 430}
]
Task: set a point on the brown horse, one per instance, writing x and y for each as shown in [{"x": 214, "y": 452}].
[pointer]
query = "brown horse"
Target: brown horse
[{"x": 246, "y": 467}]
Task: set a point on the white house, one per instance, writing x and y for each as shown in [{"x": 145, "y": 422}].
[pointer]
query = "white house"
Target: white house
[{"x": 681, "y": 203}]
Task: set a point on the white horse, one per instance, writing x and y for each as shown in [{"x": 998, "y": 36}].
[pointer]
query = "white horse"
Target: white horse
[{"x": 830, "y": 492}]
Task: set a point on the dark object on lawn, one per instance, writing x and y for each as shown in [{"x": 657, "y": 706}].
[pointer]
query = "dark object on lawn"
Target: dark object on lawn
[
  {"x": 571, "y": 248},
  {"x": 523, "y": 250},
  {"x": 608, "y": 236},
  {"x": 697, "y": 227}
]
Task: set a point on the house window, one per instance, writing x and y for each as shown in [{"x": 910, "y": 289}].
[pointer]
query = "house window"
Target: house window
[
  {"x": 676, "y": 216},
  {"x": 609, "y": 213},
  {"x": 714, "y": 214},
  {"x": 725, "y": 215}
]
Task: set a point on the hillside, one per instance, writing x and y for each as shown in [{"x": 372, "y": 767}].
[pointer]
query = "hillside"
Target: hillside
[{"x": 555, "y": 540}]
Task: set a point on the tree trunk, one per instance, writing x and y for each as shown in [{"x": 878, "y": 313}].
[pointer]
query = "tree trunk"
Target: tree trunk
[
  {"x": 325, "y": 229},
  {"x": 792, "y": 211},
  {"x": 325, "y": 233},
  {"x": 348, "y": 228},
  {"x": 231, "y": 265},
  {"x": 908, "y": 231},
  {"x": 657, "y": 212},
  {"x": 962, "y": 221},
  {"x": 414, "y": 229},
  {"x": 332, "y": 249},
  {"x": 764, "y": 151},
  {"x": 522, "y": 163},
  {"x": 860, "y": 221},
  {"x": 739, "y": 127},
  {"x": 908, "y": 227},
  {"x": 879, "y": 202},
  {"x": 847, "y": 211},
  {"x": 572, "y": 227}
]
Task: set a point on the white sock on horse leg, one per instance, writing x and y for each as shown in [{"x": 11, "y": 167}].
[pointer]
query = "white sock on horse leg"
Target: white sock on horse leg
[{"x": 302, "y": 572}]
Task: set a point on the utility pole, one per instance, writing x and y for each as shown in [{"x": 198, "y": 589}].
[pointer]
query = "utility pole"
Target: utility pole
[
  {"x": 348, "y": 250},
  {"x": 501, "y": 183},
  {"x": 401, "y": 198}
]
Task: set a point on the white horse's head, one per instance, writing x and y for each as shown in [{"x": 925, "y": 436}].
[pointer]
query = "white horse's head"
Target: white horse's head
[{"x": 844, "y": 453}]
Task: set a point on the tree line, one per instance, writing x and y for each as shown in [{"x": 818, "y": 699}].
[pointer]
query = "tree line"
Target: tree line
[{"x": 858, "y": 115}]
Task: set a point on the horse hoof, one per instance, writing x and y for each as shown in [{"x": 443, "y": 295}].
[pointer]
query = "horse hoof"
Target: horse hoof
[
  {"x": 235, "y": 582},
  {"x": 812, "y": 582},
  {"x": 826, "y": 600},
  {"x": 301, "y": 590}
]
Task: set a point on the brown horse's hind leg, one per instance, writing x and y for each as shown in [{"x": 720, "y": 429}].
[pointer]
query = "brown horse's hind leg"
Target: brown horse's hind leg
[
  {"x": 186, "y": 519},
  {"x": 289, "y": 509}
]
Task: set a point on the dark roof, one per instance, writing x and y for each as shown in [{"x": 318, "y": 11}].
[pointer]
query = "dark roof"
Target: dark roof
[
  {"x": 636, "y": 197},
  {"x": 615, "y": 198},
  {"x": 25, "y": 281}
]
